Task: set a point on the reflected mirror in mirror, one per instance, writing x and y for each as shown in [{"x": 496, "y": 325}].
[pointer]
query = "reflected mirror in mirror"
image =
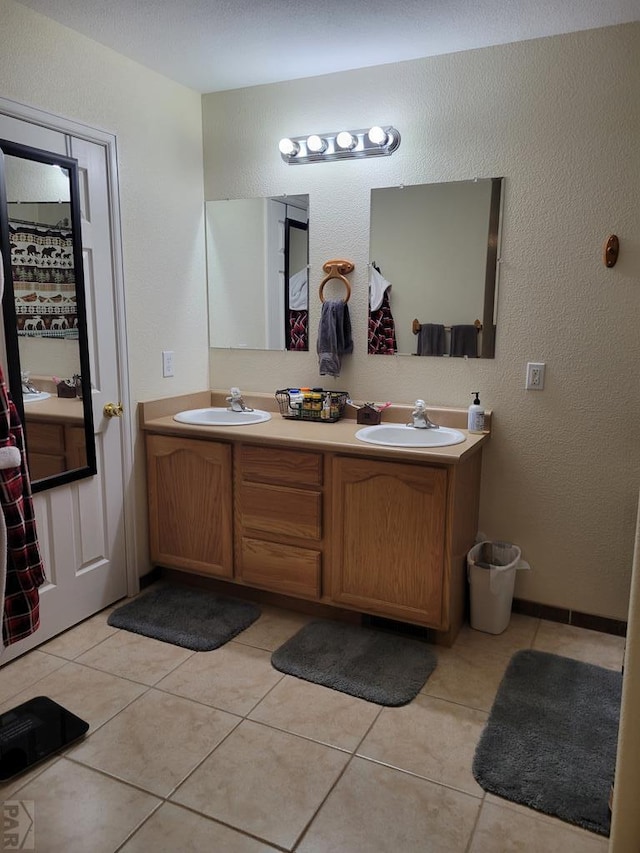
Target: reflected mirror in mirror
[
  {"x": 257, "y": 273},
  {"x": 437, "y": 246},
  {"x": 43, "y": 307}
]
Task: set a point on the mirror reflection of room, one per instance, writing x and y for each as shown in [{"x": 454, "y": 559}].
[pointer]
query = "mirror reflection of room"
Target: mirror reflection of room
[
  {"x": 44, "y": 278},
  {"x": 257, "y": 271},
  {"x": 432, "y": 271},
  {"x": 41, "y": 242}
]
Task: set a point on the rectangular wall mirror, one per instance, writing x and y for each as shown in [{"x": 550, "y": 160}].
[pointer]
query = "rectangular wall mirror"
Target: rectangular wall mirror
[
  {"x": 257, "y": 272},
  {"x": 44, "y": 312},
  {"x": 437, "y": 246}
]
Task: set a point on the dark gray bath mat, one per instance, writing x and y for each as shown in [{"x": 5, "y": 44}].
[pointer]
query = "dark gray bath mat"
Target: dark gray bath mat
[
  {"x": 372, "y": 665},
  {"x": 193, "y": 618},
  {"x": 550, "y": 741}
]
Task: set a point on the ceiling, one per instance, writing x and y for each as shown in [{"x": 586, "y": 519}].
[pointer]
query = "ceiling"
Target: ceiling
[{"x": 213, "y": 45}]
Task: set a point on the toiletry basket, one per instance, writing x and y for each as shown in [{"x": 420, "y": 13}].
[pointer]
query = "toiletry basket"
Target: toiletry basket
[{"x": 311, "y": 405}]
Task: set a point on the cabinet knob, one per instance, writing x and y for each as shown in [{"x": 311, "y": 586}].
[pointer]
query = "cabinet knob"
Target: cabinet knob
[{"x": 113, "y": 410}]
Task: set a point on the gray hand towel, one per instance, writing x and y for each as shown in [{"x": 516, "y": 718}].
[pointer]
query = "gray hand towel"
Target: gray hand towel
[
  {"x": 430, "y": 339},
  {"x": 464, "y": 341},
  {"x": 334, "y": 336}
]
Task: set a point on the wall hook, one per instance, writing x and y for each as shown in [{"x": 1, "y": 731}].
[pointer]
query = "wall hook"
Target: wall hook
[{"x": 610, "y": 251}]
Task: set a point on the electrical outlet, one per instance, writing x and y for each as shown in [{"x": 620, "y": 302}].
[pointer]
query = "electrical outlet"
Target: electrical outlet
[
  {"x": 167, "y": 363},
  {"x": 535, "y": 376}
]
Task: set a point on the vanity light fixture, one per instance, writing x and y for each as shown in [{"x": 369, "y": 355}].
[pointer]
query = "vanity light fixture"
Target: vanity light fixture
[
  {"x": 288, "y": 147},
  {"x": 346, "y": 141},
  {"x": 316, "y": 144},
  {"x": 346, "y": 144},
  {"x": 377, "y": 135}
]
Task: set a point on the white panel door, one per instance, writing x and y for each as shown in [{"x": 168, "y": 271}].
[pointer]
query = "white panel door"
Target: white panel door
[
  {"x": 274, "y": 266},
  {"x": 81, "y": 525}
]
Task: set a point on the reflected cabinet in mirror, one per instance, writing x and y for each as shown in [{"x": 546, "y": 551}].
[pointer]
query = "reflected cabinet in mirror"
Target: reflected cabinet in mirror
[
  {"x": 44, "y": 312},
  {"x": 257, "y": 272},
  {"x": 433, "y": 268}
]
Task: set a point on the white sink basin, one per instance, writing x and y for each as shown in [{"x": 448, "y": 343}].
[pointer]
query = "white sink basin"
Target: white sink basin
[
  {"x": 400, "y": 435},
  {"x": 32, "y": 397},
  {"x": 221, "y": 417}
]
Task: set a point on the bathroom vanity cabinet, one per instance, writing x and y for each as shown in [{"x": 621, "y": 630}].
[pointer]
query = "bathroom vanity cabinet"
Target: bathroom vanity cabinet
[
  {"x": 54, "y": 448},
  {"x": 389, "y": 538},
  {"x": 190, "y": 504},
  {"x": 328, "y": 521}
]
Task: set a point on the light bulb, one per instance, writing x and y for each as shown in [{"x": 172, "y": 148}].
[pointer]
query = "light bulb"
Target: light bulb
[
  {"x": 315, "y": 144},
  {"x": 377, "y": 135},
  {"x": 288, "y": 147},
  {"x": 346, "y": 140}
]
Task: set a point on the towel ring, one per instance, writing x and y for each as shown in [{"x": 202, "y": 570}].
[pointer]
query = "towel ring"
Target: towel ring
[{"x": 336, "y": 269}]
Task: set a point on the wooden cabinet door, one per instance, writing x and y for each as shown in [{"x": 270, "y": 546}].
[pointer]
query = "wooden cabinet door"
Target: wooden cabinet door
[
  {"x": 389, "y": 527},
  {"x": 190, "y": 504}
]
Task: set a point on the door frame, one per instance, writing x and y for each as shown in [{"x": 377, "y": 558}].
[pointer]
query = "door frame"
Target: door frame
[{"x": 108, "y": 141}]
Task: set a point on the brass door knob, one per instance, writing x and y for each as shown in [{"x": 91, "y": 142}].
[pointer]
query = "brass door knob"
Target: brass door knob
[{"x": 113, "y": 410}]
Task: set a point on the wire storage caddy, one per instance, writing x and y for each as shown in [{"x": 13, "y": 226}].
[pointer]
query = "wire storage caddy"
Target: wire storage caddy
[{"x": 312, "y": 404}]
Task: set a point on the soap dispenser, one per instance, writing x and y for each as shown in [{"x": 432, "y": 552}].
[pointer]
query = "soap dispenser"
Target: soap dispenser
[{"x": 475, "y": 421}]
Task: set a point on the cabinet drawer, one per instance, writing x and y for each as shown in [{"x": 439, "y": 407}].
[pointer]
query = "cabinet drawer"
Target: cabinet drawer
[
  {"x": 276, "y": 465},
  {"x": 45, "y": 438},
  {"x": 285, "y": 568},
  {"x": 43, "y": 465},
  {"x": 278, "y": 510}
]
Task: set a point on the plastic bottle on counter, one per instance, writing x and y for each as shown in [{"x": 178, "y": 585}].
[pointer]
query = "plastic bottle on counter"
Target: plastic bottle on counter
[
  {"x": 326, "y": 407},
  {"x": 475, "y": 420}
]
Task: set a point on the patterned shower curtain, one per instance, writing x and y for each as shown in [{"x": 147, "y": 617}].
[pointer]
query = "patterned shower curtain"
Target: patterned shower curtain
[{"x": 44, "y": 280}]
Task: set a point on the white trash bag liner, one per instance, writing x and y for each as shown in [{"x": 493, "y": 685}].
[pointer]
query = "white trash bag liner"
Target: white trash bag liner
[{"x": 491, "y": 570}]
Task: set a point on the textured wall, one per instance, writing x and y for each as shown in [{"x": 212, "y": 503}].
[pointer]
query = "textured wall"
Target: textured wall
[
  {"x": 559, "y": 118},
  {"x": 158, "y": 127}
]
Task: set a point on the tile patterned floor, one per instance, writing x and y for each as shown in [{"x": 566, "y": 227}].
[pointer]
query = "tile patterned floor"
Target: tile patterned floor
[{"x": 217, "y": 751}]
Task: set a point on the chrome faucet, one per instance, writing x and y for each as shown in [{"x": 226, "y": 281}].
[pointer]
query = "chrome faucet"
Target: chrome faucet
[
  {"x": 419, "y": 417},
  {"x": 27, "y": 387},
  {"x": 236, "y": 401}
]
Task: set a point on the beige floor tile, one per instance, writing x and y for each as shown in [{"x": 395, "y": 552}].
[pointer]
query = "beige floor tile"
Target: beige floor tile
[
  {"x": 510, "y": 831},
  {"x": 72, "y": 643},
  {"x": 273, "y": 628},
  {"x": 580, "y": 643},
  {"x": 77, "y": 809},
  {"x": 375, "y": 809},
  {"x": 25, "y": 671},
  {"x": 266, "y": 782},
  {"x": 173, "y": 828},
  {"x": 471, "y": 671},
  {"x": 316, "y": 712},
  {"x": 92, "y": 695},
  {"x": 234, "y": 678},
  {"x": 135, "y": 657},
  {"x": 518, "y": 635},
  {"x": 429, "y": 737},
  {"x": 156, "y": 741},
  {"x": 467, "y": 674}
]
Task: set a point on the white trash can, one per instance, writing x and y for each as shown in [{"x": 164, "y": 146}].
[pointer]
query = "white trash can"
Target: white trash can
[{"x": 491, "y": 570}]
